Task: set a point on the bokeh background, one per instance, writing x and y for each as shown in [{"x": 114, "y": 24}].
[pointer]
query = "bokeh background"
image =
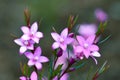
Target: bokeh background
[{"x": 55, "y": 13}]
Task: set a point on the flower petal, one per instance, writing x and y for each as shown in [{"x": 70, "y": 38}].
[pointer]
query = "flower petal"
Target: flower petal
[
  {"x": 34, "y": 76},
  {"x": 86, "y": 53},
  {"x": 25, "y": 37},
  {"x": 78, "y": 49},
  {"x": 96, "y": 54},
  {"x": 63, "y": 46},
  {"x": 38, "y": 51},
  {"x": 81, "y": 40},
  {"x": 22, "y": 49},
  {"x": 25, "y": 29},
  {"x": 31, "y": 62},
  {"x": 34, "y": 27},
  {"x": 36, "y": 39},
  {"x": 93, "y": 48},
  {"x": 39, "y": 34},
  {"x": 69, "y": 40},
  {"x": 19, "y": 42},
  {"x": 22, "y": 78},
  {"x": 31, "y": 47},
  {"x": 43, "y": 59},
  {"x": 91, "y": 39},
  {"x": 29, "y": 55},
  {"x": 64, "y": 33},
  {"x": 55, "y": 45},
  {"x": 38, "y": 66},
  {"x": 55, "y": 36}
]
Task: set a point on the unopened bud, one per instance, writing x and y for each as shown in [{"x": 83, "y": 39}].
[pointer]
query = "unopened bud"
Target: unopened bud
[
  {"x": 60, "y": 52},
  {"x": 71, "y": 35}
]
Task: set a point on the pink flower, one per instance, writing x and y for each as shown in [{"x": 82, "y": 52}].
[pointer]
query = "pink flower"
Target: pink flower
[
  {"x": 32, "y": 77},
  {"x": 62, "y": 40},
  {"x": 25, "y": 44},
  {"x": 31, "y": 33},
  {"x": 36, "y": 58},
  {"x": 101, "y": 15},
  {"x": 86, "y": 48},
  {"x": 87, "y": 29}
]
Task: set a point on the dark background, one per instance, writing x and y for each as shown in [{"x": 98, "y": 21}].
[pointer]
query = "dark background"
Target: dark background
[{"x": 55, "y": 13}]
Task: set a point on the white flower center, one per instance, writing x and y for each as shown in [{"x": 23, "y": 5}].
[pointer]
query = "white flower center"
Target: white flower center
[
  {"x": 26, "y": 43},
  {"x": 86, "y": 45},
  {"x": 61, "y": 40}
]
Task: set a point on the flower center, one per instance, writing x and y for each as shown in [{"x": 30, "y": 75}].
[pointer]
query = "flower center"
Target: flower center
[
  {"x": 61, "y": 40},
  {"x": 86, "y": 45},
  {"x": 26, "y": 43},
  {"x": 35, "y": 58}
]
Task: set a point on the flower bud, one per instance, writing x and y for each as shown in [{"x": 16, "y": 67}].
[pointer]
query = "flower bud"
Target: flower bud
[
  {"x": 72, "y": 60},
  {"x": 59, "y": 52},
  {"x": 71, "y": 35}
]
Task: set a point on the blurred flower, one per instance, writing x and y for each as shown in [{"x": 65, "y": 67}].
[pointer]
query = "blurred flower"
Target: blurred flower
[
  {"x": 62, "y": 40},
  {"x": 87, "y": 29},
  {"x": 100, "y": 15},
  {"x": 64, "y": 77},
  {"x": 32, "y": 77},
  {"x": 86, "y": 46},
  {"x": 25, "y": 44},
  {"x": 31, "y": 33},
  {"x": 36, "y": 58}
]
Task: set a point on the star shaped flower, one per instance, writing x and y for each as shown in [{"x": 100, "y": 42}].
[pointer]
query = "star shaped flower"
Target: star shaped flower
[
  {"x": 31, "y": 33},
  {"x": 86, "y": 48},
  {"x": 25, "y": 44},
  {"x": 35, "y": 59},
  {"x": 62, "y": 40}
]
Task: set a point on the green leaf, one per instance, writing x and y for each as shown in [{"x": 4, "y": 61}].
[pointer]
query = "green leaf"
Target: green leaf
[
  {"x": 80, "y": 65},
  {"x": 57, "y": 70},
  {"x": 103, "y": 68},
  {"x": 104, "y": 39}
]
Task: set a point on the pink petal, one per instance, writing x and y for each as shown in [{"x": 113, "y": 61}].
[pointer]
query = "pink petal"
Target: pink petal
[
  {"x": 69, "y": 40},
  {"x": 22, "y": 78},
  {"x": 63, "y": 46},
  {"x": 34, "y": 27},
  {"x": 38, "y": 51},
  {"x": 96, "y": 54},
  {"x": 36, "y": 39},
  {"x": 25, "y": 37},
  {"x": 34, "y": 76},
  {"x": 43, "y": 59},
  {"x": 91, "y": 39},
  {"x": 55, "y": 45},
  {"x": 64, "y": 77},
  {"x": 93, "y": 48},
  {"x": 78, "y": 49},
  {"x": 31, "y": 47},
  {"x": 86, "y": 53},
  {"x": 25, "y": 29},
  {"x": 22, "y": 49},
  {"x": 64, "y": 33},
  {"x": 31, "y": 62},
  {"x": 29, "y": 55},
  {"x": 81, "y": 40},
  {"x": 39, "y": 34},
  {"x": 38, "y": 65},
  {"x": 55, "y": 36},
  {"x": 19, "y": 42}
]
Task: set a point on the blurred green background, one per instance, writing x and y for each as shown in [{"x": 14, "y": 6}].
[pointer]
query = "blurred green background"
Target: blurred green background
[{"x": 54, "y": 13}]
